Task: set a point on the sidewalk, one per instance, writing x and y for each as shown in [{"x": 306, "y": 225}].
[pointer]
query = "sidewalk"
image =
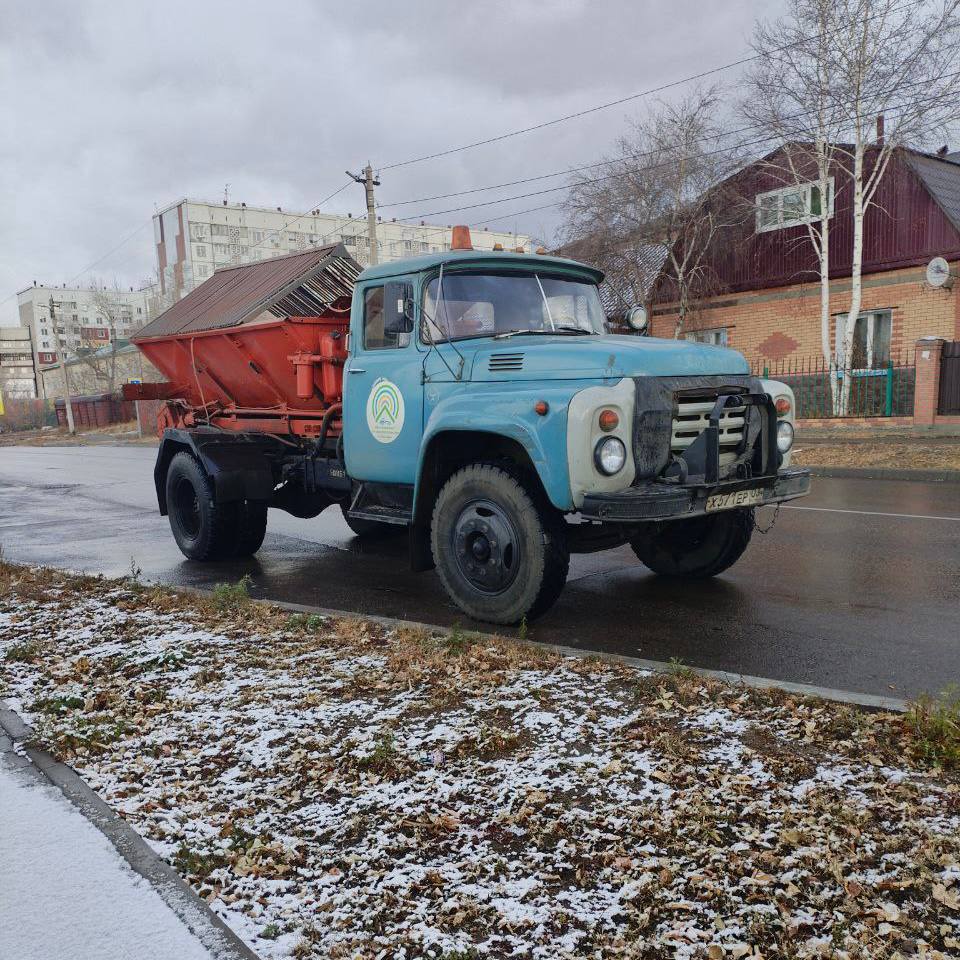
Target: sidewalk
[{"x": 64, "y": 891}]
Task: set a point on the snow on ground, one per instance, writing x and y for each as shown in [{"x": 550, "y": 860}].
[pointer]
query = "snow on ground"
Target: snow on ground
[
  {"x": 65, "y": 891},
  {"x": 339, "y": 790}
]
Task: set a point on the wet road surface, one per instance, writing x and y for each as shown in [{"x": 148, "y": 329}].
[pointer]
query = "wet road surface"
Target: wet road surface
[{"x": 856, "y": 587}]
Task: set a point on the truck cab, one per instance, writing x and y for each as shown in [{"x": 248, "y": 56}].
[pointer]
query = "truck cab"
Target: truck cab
[
  {"x": 487, "y": 409},
  {"x": 486, "y": 412}
]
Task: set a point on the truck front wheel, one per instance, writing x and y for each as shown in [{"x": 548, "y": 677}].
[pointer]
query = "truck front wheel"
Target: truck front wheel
[
  {"x": 500, "y": 549},
  {"x": 203, "y": 528},
  {"x": 698, "y": 547}
]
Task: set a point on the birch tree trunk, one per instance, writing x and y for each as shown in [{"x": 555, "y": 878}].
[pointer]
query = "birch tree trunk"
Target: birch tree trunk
[{"x": 845, "y": 336}]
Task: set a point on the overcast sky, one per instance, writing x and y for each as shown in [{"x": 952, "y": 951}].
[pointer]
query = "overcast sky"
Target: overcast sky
[{"x": 112, "y": 109}]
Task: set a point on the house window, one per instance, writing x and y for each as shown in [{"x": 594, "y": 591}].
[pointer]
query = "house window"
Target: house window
[
  {"x": 201, "y": 252},
  {"x": 870, "y": 349},
  {"x": 716, "y": 337},
  {"x": 790, "y": 206}
]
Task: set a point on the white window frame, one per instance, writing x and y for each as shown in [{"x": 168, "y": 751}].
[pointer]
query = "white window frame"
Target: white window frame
[
  {"x": 871, "y": 317},
  {"x": 720, "y": 336},
  {"x": 779, "y": 194}
]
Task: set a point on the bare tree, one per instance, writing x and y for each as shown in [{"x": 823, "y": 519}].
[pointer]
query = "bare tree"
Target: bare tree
[
  {"x": 789, "y": 97},
  {"x": 835, "y": 67},
  {"x": 661, "y": 192}
]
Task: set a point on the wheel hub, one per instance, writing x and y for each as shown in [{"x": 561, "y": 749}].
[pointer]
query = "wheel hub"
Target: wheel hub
[{"x": 486, "y": 546}]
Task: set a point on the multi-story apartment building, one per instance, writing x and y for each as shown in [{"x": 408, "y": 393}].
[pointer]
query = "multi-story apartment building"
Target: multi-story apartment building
[
  {"x": 193, "y": 238},
  {"x": 17, "y": 363},
  {"x": 85, "y": 317}
]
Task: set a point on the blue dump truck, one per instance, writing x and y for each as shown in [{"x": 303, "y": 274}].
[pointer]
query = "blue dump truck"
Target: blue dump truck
[{"x": 472, "y": 400}]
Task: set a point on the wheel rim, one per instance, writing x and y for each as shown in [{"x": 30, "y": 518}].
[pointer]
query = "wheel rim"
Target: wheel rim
[
  {"x": 487, "y": 547},
  {"x": 187, "y": 504}
]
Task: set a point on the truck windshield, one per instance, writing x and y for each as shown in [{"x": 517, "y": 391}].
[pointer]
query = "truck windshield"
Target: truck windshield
[{"x": 501, "y": 304}]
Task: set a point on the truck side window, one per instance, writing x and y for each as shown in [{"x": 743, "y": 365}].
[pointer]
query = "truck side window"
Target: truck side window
[{"x": 386, "y": 320}]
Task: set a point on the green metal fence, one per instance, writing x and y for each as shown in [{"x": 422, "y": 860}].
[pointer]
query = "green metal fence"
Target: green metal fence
[{"x": 883, "y": 390}]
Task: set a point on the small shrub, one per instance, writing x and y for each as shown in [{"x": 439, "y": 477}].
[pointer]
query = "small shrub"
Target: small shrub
[
  {"x": 230, "y": 597},
  {"x": 456, "y": 640},
  {"x": 523, "y": 634},
  {"x": 382, "y": 758},
  {"x": 25, "y": 652},
  {"x": 193, "y": 863},
  {"x": 935, "y": 725},
  {"x": 680, "y": 669},
  {"x": 307, "y": 624},
  {"x": 270, "y": 932}
]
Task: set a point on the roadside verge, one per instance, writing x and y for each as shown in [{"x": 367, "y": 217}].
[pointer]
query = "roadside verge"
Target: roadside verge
[{"x": 212, "y": 932}]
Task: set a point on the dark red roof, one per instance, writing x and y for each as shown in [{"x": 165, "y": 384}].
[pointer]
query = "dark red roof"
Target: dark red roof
[{"x": 295, "y": 285}]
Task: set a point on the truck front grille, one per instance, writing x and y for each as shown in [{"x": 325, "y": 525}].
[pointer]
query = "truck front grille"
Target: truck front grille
[{"x": 693, "y": 416}]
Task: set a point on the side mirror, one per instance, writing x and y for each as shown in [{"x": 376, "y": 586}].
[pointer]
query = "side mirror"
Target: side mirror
[
  {"x": 638, "y": 319},
  {"x": 398, "y": 308}
]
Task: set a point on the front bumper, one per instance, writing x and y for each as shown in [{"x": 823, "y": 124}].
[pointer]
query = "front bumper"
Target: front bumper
[{"x": 660, "y": 500}]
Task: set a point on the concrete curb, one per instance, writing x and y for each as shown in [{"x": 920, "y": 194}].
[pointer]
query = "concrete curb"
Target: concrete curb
[
  {"x": 886, "y": 473},
  {"x": 869, "y": 701},
  {"x": 176, "y": 893}
]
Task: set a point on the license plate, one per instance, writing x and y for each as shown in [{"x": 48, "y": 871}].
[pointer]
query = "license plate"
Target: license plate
[{"x": 730, "y": 501}]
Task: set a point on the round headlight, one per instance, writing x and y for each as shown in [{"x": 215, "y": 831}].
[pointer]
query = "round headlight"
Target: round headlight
[
  {"x": 610, "y": 455},
  {"x": 784, "y": 436}
]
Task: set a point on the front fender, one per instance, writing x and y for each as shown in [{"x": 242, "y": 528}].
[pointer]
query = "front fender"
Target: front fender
[{"x": 507, "y": 410}]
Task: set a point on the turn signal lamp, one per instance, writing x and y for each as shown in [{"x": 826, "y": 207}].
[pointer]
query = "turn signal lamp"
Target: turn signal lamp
[
  {"x": 461, "y": 238},
  {"x": 783, "y": 406},
  {"x": 608, "y": 420},
  {"x": 541, "y": 407},
  {"x": 498, "y": 247}
]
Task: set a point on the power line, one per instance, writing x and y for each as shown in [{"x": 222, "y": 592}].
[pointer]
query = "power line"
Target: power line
[
  {"x": 772, "y": 138},
  {"x": 612, "y": 103},
  {"x": 637, "y": 156}
]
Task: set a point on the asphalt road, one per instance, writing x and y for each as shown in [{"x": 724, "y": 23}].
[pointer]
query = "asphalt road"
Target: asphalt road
[{"x": 856, "y": 587}]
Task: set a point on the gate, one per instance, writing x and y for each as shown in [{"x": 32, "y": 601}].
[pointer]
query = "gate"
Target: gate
[{"x": 950, "y": 380}]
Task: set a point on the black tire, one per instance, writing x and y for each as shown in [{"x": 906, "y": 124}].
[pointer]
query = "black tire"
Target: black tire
[
  {"x": 371, "y": 529},
  {"x": 699, "y": 547},
  {"x": 251, "y": 527},
  {"x": 489, "y": 517},
  {"x": 203, "y": 528}
]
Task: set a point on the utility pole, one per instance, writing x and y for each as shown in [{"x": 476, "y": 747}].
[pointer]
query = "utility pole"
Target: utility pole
[
  {"x": 366, "y": 178},
  {"x": 62, "y": 353}
]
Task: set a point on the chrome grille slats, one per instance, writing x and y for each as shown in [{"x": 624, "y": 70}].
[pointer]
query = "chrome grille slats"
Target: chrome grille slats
[{"x": 693, "y": 416}]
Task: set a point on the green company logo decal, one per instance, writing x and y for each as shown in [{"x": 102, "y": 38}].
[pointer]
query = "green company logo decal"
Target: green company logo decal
[{"x": 385, "y": 411}]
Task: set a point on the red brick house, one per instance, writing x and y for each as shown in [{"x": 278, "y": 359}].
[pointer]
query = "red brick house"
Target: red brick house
[{"x": 764, "y": 276}]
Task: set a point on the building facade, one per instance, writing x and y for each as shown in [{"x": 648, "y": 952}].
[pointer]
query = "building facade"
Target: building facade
[
  {"x": 86, "y": 318},
  {"x": 764, "y": 279},
  {"x": 18, "y": 376},
  {"x": 193, "y": 238},
  {"x": 104, "y": 372}
]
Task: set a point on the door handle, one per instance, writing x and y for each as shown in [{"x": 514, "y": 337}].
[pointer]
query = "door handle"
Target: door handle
[{"x": 357, "y": 370}]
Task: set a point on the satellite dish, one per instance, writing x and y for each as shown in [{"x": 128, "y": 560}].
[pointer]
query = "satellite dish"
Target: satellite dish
[
  {"x": 638, "y": 320},
  {"x": 938, "y": 273}
]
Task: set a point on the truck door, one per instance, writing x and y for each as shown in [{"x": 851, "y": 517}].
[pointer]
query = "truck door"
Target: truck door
[{"x": 383, "y": 393}]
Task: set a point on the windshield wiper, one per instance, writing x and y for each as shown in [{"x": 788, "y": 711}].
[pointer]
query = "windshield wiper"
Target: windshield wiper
[{"x": 543, "y": 333}]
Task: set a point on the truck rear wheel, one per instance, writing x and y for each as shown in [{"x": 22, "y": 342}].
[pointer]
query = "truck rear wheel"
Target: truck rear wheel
[
  {"x": 698, "y": 547},
  {"x": 251, "y": 527},
  {"x": 500, "y": 549},
  {"x": 203, "y": 528}
]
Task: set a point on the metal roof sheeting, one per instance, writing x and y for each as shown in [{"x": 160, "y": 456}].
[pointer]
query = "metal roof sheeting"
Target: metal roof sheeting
[
  {"x": 941, "y": 177},
  {"x": 295, "y": 285}
]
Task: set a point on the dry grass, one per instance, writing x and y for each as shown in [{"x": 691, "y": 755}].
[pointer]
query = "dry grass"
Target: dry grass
[
  {"x": 906, "y": 454},
  {"x": 336, "y": 786}
]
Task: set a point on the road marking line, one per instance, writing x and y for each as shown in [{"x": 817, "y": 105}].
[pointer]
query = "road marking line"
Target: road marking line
[{"x": 874, "y": 513}]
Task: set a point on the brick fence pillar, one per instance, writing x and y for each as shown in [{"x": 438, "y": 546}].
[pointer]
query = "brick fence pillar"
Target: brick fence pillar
[{"x": 927, "y": 390}]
